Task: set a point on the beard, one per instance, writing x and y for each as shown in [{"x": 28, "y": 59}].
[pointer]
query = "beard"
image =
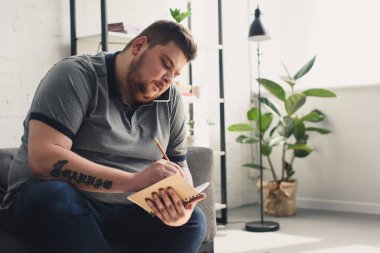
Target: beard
[{"x": 136, "y": 85}]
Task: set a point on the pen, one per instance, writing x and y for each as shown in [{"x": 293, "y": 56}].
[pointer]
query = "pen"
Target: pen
[{"x": 160, "y": 148}]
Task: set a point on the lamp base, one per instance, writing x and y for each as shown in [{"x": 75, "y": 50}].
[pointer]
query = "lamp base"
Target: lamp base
[{"x": 265, "y": 226}]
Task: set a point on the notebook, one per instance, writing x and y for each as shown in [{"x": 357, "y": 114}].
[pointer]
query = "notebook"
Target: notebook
[{"x": 184, "y": 190}]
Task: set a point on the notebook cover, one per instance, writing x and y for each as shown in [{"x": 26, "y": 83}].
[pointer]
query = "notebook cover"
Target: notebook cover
[{"x": 184, "y": 190}]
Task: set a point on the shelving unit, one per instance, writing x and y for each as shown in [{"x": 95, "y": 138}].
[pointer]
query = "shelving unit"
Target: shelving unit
[
  {"x": 93, "y": 43},
  {"x": 103, "y": 40},
  {"x": 223, "y": 163},
  {"x": 221, "y": 152},
  {"x": 106, "y": 41}
]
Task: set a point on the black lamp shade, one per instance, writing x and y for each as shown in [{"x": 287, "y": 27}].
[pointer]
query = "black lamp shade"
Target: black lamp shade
[{"x": 256, "y": 31}]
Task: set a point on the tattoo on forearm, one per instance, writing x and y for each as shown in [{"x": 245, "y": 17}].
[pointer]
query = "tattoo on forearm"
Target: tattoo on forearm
[{"x": 79, "y": 178}]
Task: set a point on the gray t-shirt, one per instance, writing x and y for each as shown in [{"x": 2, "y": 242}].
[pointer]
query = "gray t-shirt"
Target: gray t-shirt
[{"x": 79, "y": 98}]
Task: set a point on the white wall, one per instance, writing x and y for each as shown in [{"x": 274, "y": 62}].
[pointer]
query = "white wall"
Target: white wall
[
  {"x": 342, "y": 172},
  {"x": 241, "y": 186},
  {"x": 343, "y": 34},
  {"x": 31, "y": 41},
  {"x": 36, "y": 34}
]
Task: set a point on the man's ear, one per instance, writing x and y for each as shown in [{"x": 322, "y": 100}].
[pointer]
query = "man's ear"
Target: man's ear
[{"x": 138, "y": 44}]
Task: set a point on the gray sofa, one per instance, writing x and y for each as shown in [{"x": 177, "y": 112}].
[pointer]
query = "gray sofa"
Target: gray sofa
[{"x": 200, "y": 162}]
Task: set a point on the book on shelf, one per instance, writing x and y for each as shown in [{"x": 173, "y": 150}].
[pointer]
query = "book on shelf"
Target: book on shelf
[
  {"x": 116, "y": 27},
  {"x": 185, "y": 191}
]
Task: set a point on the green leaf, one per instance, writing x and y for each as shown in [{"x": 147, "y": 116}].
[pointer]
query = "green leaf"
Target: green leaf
[
  {"x": 254, "y": 166},
  {"x": 274, "y": 88},
  {"x": 289, "y": 170},
  {"x": 178, "y": 15},
  {"x": 301, "y": 153},
  {"x": 319, "y": 130},
  {"x": 300, "y": 146},
  {"x": 301, "y": 150},
  {"x": 253, "y": 114},
  {"x": 302, "y": 139},
  {"x": 288, "y": 80},
  {"x": 174, "y": 12},
  {"x": 266, "y": 148},
  {"x": 299, "y": 129},
  {"x": 184, "y": 15},
  {"x": 276, "y": 141},
  {"x": 290, "y": 173},
  {"x": 270, "y": 105},
  {"x": 287, "y": 72},
  {"x": 323, "y": 93},
  {"x": 240, "y": 127},
  {"x": 304, "y": 69},
  {"x": 266, "y": 118},
  {"x": 294, "y": 102},
  {"x": 314, "y": 116},
  {"x": 285, "y": 127},
  {"x": 266, "y": 121},
  {"x": 272, "y": 131},
  {"x": 246, "y": 140}
]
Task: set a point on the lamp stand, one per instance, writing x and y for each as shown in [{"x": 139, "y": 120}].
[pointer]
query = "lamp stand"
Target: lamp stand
[{"x": 261, "y": 226}]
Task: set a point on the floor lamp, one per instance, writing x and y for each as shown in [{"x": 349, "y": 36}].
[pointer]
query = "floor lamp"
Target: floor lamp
[{"x": 258, "y": 34}]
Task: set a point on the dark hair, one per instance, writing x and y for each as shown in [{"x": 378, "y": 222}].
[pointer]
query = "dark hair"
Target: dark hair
[{"x": 162, "y": 32}]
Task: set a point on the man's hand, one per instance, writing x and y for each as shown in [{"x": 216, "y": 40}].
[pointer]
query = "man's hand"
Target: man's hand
[
  {"x": 155, "y": 172},
  {"x": 168, "y": 207}
]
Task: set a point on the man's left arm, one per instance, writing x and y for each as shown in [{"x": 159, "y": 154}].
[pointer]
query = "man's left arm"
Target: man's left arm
[
  {"x": 166, "y": 204},
  {"x": 177, "y": 145}
]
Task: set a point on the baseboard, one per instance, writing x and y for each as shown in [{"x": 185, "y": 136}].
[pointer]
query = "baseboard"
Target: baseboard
[{"x": 337, "y": 205}]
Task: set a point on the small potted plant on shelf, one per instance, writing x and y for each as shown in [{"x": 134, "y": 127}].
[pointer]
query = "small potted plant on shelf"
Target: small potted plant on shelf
[
  {"x": 178, "y": 15},
  {"x": 283, "y": 126},
  {"x": 190, "y": 136}
]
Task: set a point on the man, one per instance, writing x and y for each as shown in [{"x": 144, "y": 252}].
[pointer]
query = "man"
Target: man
[{"x": 88, "y": 143}]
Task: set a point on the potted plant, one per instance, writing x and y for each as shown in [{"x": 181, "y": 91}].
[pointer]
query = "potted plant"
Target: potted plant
[
  {"x": 178, "y": 15},
  {"x": 283, "y": 126}
]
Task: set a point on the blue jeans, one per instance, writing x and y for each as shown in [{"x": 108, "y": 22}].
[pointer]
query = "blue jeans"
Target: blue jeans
[{"x": 60, "y": 218}]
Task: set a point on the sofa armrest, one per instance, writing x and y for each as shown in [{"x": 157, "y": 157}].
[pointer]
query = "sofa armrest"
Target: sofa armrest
[
  {"x": 201, "y": 164},
  {"x": 6, "y": 157}
]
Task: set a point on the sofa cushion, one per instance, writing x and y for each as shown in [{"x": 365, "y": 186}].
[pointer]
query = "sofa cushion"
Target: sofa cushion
[
  {"x": 201, "y": 164},
  {"x": 6, "y": 157}
]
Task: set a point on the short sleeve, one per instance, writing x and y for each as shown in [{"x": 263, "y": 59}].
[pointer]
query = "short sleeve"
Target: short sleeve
[
  {"x": 64, "y": 95},
  {"x": 177, "y": 148}
]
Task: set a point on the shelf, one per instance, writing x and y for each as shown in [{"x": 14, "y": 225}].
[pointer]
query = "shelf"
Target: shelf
[
  {"x": 211, "y": 50},
  {"x": 210, "y": 46},
  {"x": 92, "y": 44},
  {"x": 113, "y": 37},
  {"x": 122, "y": 38},
  {"x": 219, "y": 206},
  {"x": 219, "y": 153}
]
